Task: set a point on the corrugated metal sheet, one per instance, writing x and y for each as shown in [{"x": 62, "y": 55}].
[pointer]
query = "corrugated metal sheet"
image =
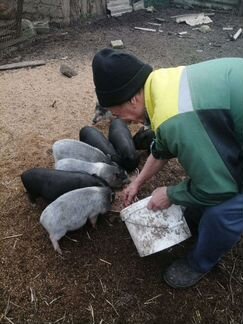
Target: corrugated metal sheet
[
  {"x": 214, "y": 4},
  {"x": 118, "y": 7}
]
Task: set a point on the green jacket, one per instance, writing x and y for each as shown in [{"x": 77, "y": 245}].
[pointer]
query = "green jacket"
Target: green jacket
[{"x": 197, "y": 114}]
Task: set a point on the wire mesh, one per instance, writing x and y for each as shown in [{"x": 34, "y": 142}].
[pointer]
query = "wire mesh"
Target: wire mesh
[{"x": 10, "y": 21}]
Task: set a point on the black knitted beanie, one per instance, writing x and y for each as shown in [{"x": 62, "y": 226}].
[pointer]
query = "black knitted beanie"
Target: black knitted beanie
[{"x": 118, "y": 76}]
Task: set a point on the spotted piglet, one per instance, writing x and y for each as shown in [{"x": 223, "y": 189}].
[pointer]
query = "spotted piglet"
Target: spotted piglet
[{"x": 72, "y": 210}]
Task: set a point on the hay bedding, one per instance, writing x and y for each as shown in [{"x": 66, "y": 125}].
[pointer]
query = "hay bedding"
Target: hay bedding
[
  {"x": 100, "y": 275},
  {"x": 100, "y": 278},
  {"x": 38, "y": 107}
]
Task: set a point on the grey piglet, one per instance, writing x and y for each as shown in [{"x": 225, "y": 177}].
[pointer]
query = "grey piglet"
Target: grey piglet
[
  {"x": 114, "y": 175},
  {"x": 101, "y": 113},
  {"x": 72, "y": 210},
  {"x": 70, "y": 148}
]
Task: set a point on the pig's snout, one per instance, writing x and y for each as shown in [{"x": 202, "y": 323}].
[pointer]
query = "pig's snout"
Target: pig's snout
[{"x": 96, "y": 119}]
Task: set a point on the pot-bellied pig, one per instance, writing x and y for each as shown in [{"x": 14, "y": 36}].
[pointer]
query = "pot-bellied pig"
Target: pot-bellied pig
[
  {"x": 143, "y": 139},
  {"x": 100, "y": 114},
  {"x": 69, "y": 148},
  {"x": 94, "y": 137},
  {"x": 114, "y": 175},
  {"x": 121, "y": 138},
  {"x": 50, "y": 184},
  {"x": 72, "y": 210}
]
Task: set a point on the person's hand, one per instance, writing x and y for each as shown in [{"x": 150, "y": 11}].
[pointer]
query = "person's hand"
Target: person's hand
[
  {"x": 159, "y": 199},
  {"x": 130, "y": 193}
]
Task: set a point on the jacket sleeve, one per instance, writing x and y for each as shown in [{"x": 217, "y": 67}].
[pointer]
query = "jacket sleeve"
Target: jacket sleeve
[
  {"x": 160, "y": 150},
  {"x": 209, "y": 181},
  {"x": 186, "y": 194}
]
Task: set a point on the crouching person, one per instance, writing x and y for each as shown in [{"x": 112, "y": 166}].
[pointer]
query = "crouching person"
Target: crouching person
[{"x": 196, "y": 112}]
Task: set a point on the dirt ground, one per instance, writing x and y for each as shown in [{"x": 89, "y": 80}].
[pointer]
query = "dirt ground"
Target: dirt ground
[{"x": 100, "y": 278}]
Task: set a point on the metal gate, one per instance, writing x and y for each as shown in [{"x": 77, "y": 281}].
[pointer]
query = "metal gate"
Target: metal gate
[{"x": 10, "y": 22}]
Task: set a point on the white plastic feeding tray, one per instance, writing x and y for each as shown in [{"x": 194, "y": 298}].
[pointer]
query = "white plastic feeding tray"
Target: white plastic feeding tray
[{"x": 151, "y": 231}]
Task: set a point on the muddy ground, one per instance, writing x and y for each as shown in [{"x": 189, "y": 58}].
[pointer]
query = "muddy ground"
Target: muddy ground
[{"x": 100, "y": 278}]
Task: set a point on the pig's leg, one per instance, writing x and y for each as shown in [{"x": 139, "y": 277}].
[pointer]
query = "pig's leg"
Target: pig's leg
[
  {"x": 32, "y": 198},
  {"x": 55, "y": 243},
  {"x": 93, "y": 220}
]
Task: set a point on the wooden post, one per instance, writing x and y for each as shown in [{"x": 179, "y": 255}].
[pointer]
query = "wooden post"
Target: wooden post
[
  {"x": 75, "y": 9},
  {"x": 100, "y": 7},
  {"x": 19, "y": 17},
  {"x": 241, "y": 7},
  {"x": 66, "y": 11},
  {"x": 93, "y": 7}
]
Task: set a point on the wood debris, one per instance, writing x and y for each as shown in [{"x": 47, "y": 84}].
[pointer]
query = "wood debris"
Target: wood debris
[
  {"x": 11, "y": 236},
  {"x": 182, "y": 33},
  {"x": 71, "y": 239},
  {"x": 204, "y": 13},
  {"x": 118, "y": 43},
  {"x": 193, "y": 19},
  {"x": 160, "y": 19},
  {"x": 145, "y": 29},
  {"x": 20, "y": 65},
  {"x": 55, "y": 299},
  {"x": 150, "y": 9},
  {"x": 102, "y": 260},
  {"x": 154, "y": 24},
  {"x": 151, "y": 300},
  {"x": 103, "y": 286},
  {"x": 53, "y": 105},
  {"x": 236, "y": 35},
  {"x": 32, "y": 295},
  {"x": 91, "y": 310},
  {"x": 112, "y": 307}
]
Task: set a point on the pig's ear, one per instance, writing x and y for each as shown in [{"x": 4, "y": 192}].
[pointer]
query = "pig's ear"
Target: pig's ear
[
  {"x": 113, "y": 196},
  {"x": 119, "y": 175}
]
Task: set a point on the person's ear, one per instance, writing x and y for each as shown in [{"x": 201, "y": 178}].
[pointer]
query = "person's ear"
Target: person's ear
[{"x": 135, "y": 99}]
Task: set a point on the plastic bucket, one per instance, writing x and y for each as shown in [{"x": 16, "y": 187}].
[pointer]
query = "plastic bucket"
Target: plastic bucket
[{"x": 151, "y": 231}]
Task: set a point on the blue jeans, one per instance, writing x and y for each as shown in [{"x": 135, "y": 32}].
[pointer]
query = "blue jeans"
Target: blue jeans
[{"x": 220, "y": 228}]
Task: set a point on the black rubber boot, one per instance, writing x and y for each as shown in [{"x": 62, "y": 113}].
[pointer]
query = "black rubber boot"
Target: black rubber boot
[
  {"x": 181, "y": 275},
  {"x": 193, "y": 217}
]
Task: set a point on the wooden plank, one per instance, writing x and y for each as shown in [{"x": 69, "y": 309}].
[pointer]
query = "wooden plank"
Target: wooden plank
[
  {"x": 211, "y": 4},
  {"x": 145, "y": 29},
  {"x": 20, "y": 65},
  {"x": 194, "y": 14},
  {"x": 237, "y": 34}
]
